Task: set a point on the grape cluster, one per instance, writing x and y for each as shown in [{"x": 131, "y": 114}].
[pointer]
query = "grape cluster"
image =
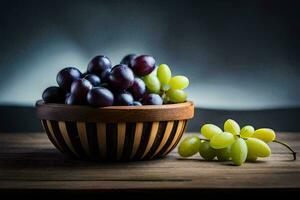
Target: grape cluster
[
  {"x": 135, "y": 81},
  {"x": 235, "y": 144},
  {"x": 161, "y": 82}
]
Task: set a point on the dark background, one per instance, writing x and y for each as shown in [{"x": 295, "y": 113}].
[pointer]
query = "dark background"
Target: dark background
[{"x": 242, "y": 57}]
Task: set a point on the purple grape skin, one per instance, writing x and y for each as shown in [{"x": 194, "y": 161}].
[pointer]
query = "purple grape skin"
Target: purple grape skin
[
  {"x": 104, "y": 75},
  {"x": 124, "y": 99},
  {"x": 121, "y": 77},
  {"x": 100, "y": 97},
  {"x": 94, "y": 79},
  {"x": 138, "y": 89},
  {"x": 152, "y": 99},
  {"x": 137, "y": 103},
  {"x": 80, "y": 88},
  {"x": 143, "y": 65},
  {"x": 54, "y": 94},
  {"x": 66, "y": 76},
  {"x": 127, "y": 60},
  {"x": 72, "y": 99},
  {"x": 98, "y": 64}
]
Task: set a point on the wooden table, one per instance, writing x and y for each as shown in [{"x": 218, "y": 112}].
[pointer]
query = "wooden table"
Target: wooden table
[{"x": 29, "y": 162}]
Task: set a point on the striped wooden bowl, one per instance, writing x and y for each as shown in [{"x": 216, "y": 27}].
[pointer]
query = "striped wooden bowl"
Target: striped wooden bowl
[{"x": 117, "y": 132}]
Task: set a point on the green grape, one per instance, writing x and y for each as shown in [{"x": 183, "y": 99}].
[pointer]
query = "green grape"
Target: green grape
[
  {"x": 247, "y": 131},
  {"x": 165, "y": 87},
  {"x": 176, "y": 96},
  {"x": 251, "y": 158},
  {"x": 224, "y": 154},
  {"x": 179, "y": 82},
  {"x": 232, "y": 126},
  {"x": 239, "y": 151},
  {"x": 258, "y": 148},
  {"x": 209, "y": 130},
  {"x": 206, "y": 151},
  {"x": 265, "y": 134},
  {"x": 152, "y": 83},
  {"x": 222, "y": 140},
  {"x": 189, "y": 146},
  {"x": 164, "y": 74}
]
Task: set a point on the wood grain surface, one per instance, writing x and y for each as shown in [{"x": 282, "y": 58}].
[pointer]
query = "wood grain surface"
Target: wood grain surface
[{"x": 30, "y": 161}]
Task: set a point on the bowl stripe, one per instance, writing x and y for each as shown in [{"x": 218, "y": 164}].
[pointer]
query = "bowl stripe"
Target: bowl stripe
[
  {"x": 91, "y": 133},
  {"x": 65, "y": 135},
  {"x": 129, "y": 139},
  {"x": 153, "y": 133},
  {"x": 166, "y": 135},
  {"x": 144, "y": 140},
  {"x": 169, "y": 141},
  {"x": 50, "y": 135},
  {"x": 101, "y": 136},
  {"x": 83, "y": 137},
  {"x": 60, "y": 139},
  {"x": 111, "y": 140},
  {"x": 177, "y": 135},
  {"x": 161, "y": 129},
  {"x": 121, "y": 139},
  {"x": 137, "y": 138}
]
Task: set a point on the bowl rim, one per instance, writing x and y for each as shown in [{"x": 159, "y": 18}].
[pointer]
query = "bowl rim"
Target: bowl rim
[{"x": 84, "y": 113}]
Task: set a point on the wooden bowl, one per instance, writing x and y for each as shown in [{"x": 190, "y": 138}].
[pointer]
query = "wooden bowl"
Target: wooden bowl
[{"x": 116, "y": 132}]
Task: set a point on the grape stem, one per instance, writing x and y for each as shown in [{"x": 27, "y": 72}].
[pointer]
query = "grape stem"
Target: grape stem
[{"x": 287, "y": 146}]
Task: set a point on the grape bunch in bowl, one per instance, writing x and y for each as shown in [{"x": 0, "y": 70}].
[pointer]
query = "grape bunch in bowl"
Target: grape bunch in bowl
[{"x": 136, "y": 81}]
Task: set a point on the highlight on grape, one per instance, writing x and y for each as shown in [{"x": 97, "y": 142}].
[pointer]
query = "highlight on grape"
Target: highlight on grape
[
  {"x": 136, "y": 81},
  {"x": 231, "y": 144}
]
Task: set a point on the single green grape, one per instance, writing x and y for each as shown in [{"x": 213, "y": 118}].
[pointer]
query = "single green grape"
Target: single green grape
[
  {"x": 152, "y": 83},
  {"x": 251, "y": 158},
  {"x": 223, "y": 140},
  {"x": 189, "y": 146},
  {"x": 224, "y": 154},
  {"x": 176, "y": 96},
  {"x": 247, "y": 131},
  {"x": 239, "y": 151},
  {"x": 179, "y": 82},
  {"x": 209, "y": 130},
  {"x": 164, "y": 74},
  {"x": 258, "y": 148},
  {"x": 206, "y": 151},
  {"x": 232, "y": 126},
  {"x": 265, "y": 134}
]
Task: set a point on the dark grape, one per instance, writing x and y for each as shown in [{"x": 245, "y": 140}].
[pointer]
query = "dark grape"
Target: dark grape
[
  {"x": 137, "y": 103},
  {"x": 143, "y": 65},
  {"x": 98, "y": 64},
  {"x": 121, "y": 77},
  {"x": 152, "y": 99},
  {"x": 94, "y": 79},
  {"x": 66, "y": 76},
  {"x": 104, "y": 75},
  {"x": 127, "y": 60},
  {"x": 72, "y": 99},
  {"x": 138, "y": 89},
  {"x": 54, "y": 95},
  {"x": 124, "y": 99},
  {"x": 67, "y": 95},
  {"x": 80, "y": 88},
  {"x": 100, "y": 96}
]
